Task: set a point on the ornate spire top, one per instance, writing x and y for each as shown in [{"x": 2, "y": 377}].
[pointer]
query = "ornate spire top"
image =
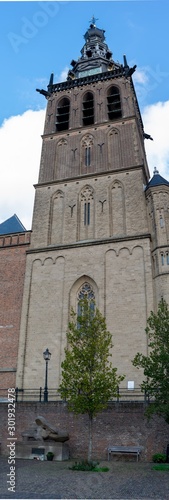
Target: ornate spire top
[
  {"x": 95, "y": 54},
  {"x": 155, "y": 172},
  {"x": 93, "y": 22}
]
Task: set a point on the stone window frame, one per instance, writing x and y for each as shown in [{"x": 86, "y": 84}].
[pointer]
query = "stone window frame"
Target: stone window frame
[{"x": 117, "y": 113}]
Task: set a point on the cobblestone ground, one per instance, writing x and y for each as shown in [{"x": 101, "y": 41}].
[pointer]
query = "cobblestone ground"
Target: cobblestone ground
[{"x": 124, "y": 480}]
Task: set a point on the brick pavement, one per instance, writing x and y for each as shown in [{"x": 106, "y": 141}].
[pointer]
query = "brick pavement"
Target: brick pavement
[{"x": 54, "y": 480}]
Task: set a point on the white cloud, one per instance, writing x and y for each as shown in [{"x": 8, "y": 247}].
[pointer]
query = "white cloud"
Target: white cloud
[
  {"x": 140, "y": 76},
  {"x": 20, "y": 147},
  {"x": 156, "y": 123},
  {"x": 63, "y": 74}
]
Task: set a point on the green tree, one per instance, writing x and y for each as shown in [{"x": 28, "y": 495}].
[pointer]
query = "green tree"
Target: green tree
[
  {"x": 156, "y": 363},
  {"x": 88, "y": 379}
]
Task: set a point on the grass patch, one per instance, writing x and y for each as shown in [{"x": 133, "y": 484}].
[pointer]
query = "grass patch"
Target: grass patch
[
  {"x": 101, "y": 469},
  {"x": 162, "y": 467},
  {"x": 88, "y": 466}
]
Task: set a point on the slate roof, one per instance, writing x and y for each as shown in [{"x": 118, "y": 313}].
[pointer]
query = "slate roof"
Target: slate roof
[
  {"x": 157, "y": 180},
  {"x": 12, "y": 225}
]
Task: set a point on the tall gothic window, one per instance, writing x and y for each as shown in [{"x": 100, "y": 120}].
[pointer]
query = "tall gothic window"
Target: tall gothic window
[
  {"x": 85, "y": 292},
  {"x": 62, "y": 117},
  {"x": 87, "y": 213},
  {"x": 86, "y": 197},
  {"x": 113, "y": 103},
  {"x": 87, "y": 156},
  {"x": 86, "y": 152},
  {"x": 88, "y": 109}
]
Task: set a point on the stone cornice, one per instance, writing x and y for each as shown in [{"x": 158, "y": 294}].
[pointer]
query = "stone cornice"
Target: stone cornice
[
  {"x": 92, "y": 175},
  {"x": 87, "y": 243}
]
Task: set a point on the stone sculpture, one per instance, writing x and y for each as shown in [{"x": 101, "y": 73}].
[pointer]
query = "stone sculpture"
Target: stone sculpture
[
  {"x": 50, "y": 432},
  {"x": 44, "y": 431}
]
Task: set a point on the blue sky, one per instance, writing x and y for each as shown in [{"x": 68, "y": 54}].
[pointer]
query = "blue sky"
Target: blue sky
[{"x": 37, "y": 38}]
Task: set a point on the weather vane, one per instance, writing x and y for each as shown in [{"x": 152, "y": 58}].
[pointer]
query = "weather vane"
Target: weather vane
[{"x": 93, "y": 20}]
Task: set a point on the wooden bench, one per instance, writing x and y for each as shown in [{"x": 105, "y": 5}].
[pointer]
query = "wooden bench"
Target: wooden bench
[{"x": 134, "y": 450}]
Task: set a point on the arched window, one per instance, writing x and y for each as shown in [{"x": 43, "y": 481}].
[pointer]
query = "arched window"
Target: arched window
[
  {"x": 85, "y": 292},
  {"x": 88, "y": 109},
  {"x": 86, "y": 197},
  {"x": 113, "y": 103},
  {"x": 86, "y": 213},
  {"x": 62, "y": 117},
  {"x": 87, "y": 152}
]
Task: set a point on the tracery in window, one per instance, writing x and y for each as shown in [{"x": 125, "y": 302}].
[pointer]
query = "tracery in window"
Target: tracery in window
[
  {"x": 86, "y": 197},
  {"x": 113, "y": 103},
  {"x": 85, "y": 292},
  {"x": 86, "y": 219},
  {"x": 87, "y": 149}
]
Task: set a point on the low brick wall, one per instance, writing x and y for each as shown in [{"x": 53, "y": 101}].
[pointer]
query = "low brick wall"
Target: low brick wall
[{"x": 120, "y": 424}]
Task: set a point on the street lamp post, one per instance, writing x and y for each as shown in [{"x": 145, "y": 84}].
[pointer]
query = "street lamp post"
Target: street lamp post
[{"x": 47, "y": 356}]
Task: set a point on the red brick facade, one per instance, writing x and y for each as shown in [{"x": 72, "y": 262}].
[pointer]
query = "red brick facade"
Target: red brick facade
[
  {"x": 121, "y": 424},
  {"x": 12, "y": 273}
]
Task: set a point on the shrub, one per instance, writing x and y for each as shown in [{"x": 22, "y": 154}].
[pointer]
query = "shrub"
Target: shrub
[
  {"x": 159, "y": 458},
  {"x": 50, "y": 455},
  {"x": 88, "y": 466},
  {"x": 84, "y": 465}
]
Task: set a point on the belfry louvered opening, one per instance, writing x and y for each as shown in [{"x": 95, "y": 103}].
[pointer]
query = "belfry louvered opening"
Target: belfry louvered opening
[
  {"x": 114, "y": 103},
  {"x": 62, "y": 117},
  {"x": 88, "y": 109}
]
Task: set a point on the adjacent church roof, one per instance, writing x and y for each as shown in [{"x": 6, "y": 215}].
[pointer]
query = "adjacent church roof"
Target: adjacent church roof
[
  {"x": 12, "y": 225},
  {"x": 157, "y": 180}
]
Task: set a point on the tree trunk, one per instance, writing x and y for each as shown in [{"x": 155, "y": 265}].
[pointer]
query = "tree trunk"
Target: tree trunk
[{"x": 90, "y": 438}]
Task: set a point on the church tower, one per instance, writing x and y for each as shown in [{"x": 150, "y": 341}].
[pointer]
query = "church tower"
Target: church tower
[{"x": 91, "y": 233}]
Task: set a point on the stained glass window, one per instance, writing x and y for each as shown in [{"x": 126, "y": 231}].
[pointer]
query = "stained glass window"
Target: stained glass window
[{"x": 87, "y": 292}]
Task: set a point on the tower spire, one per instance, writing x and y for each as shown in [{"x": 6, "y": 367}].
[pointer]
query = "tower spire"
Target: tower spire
[{"x": 93, "y": 22}]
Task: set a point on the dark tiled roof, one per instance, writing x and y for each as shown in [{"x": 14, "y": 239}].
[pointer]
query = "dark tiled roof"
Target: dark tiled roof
[
  {"x": 157, "y": 180},
  {"x": 12, "y": 225}
]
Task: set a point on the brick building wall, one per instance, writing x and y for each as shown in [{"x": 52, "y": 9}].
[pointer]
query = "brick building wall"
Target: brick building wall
[
  {"x": 12, "y": 273},
  {"x": 120, "y": 424}
]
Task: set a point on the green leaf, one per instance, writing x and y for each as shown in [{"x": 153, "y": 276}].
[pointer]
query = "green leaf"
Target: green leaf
[{"x": 156, "y": 364}]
